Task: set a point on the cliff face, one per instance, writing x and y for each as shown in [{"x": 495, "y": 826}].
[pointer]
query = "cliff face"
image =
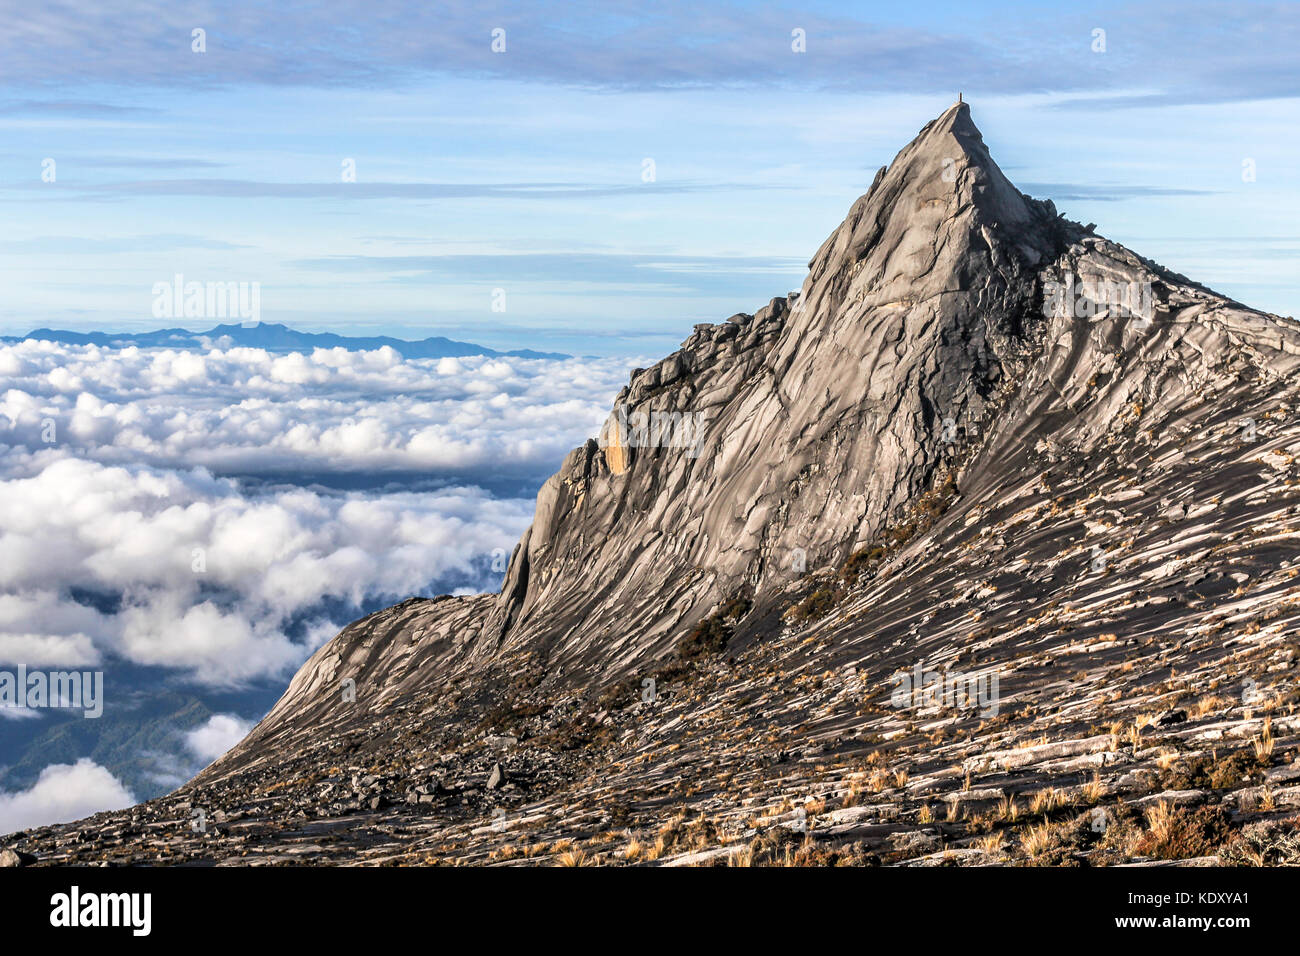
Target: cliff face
[
  {"x": 979, "y": 440},
  {"x": 814, "y": 419},
  {"x": 770, "y": 444},
  {"x": 948, "y": 326}
]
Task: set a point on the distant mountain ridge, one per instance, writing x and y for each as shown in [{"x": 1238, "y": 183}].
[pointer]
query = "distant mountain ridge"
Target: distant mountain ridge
[{"x": 276, "y": 338}]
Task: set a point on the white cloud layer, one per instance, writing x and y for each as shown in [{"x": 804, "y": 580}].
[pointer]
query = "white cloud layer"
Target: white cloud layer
[
  {"x": 62, "y": 793},
  {"x": 249, "y": 411},
  {"x": 118, "y": 538},
  {"x": 208, "y": 578}
]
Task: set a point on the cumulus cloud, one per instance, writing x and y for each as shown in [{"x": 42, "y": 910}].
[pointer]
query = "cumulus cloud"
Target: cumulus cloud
[
  {"x": 218, "y": 735},
  {"x": 244, "y": 410},
  {"x": 63, "y": 792},
  {"x": 175, "y": 509},
  {"x": 184, "y": 570}
]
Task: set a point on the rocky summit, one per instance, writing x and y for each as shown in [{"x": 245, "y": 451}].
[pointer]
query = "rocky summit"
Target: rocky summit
[{"x": 981, "y": 548}]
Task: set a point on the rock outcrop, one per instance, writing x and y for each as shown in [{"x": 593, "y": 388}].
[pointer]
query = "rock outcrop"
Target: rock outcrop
[
  {"x": 792, "y": 436},
  {"x": 979, "y": 441}
]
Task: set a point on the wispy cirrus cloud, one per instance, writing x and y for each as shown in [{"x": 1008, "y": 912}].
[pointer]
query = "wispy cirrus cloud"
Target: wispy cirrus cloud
[
  {"x": 1105, "y": 193},
  {"x": 98, "y": 245},
  {"x": 253, "y": 189},
  {"x": 147, "y": 162},
  {"x": 71, "y": 108},
  {"x": 669, "y": 274},
  {"x": 1211, "y": 51},
  {"x": 618, "y": 45}
]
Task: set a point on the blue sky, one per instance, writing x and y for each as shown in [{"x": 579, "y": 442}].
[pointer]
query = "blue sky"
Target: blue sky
[{"x": 523, "y": 170}]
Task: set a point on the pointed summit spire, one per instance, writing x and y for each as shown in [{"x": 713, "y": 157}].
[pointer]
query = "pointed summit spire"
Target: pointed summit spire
[{"x": 932, "y": 208}]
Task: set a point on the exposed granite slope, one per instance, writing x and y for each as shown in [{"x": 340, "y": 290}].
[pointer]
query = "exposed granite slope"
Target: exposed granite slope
[
  {"x": 818, "y": 418},
  {"x": 997, "y": 444}
]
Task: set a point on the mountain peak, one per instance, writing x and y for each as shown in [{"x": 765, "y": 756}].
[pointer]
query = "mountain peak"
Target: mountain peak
[
  {"x": 802, "y": 430},
  {"x": 951, "y": 150},
  {"x": 954, "y": 451},
  {"x": 942, "y": 198}
]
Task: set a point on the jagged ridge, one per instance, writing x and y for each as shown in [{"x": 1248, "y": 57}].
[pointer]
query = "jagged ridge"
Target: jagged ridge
[
  {"x": 951, "y": 332},
  {"x": 823, "y": 420}
]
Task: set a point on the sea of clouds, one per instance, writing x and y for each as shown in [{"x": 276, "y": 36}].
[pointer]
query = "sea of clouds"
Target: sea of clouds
[{"x": 217, "y": 513}]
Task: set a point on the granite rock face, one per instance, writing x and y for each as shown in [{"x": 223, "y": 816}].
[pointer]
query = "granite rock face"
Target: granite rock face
[
  {"x": 980, "y": 440},
  {"x": 817, "y": 416},
  {"x": 769, "y": 444}
]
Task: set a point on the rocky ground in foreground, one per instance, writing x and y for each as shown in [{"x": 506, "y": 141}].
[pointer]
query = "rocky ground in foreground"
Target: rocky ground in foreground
[
  {"x": 1204, "y": 781},
  {"x": 769, "y": 757}
]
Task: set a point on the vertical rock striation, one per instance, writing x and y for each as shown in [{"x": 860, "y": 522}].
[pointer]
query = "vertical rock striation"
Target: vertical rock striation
[{"x": 949, "y": 328}]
